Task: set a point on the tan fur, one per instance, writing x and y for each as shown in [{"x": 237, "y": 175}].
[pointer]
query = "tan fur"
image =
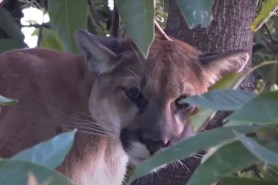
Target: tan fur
[{"x": 55, "y": 90}]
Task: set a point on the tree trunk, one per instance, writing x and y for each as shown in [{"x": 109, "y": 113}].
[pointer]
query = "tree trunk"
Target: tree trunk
[{"x": 229, "y": 30}]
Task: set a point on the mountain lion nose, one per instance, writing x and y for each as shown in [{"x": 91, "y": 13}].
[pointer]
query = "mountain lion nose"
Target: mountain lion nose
[{"x": 154, "y": 146}]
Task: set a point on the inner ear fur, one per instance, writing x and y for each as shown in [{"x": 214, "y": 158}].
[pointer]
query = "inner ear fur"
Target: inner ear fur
[
  {"x": 100, "y": 51},
  {"x": 218, "y": 65}
]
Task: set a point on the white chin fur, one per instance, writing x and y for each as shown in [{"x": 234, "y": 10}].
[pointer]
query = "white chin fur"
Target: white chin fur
[{"x": 137, "y": 153}]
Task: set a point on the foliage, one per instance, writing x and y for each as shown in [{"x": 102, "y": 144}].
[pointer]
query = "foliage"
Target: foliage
[
  {"x": 141, "y": 22},
  {"x": 244, "y": 151},
  {"x": 39, "y": 160},
  {"x": 66, "y": 20},
  {"x": 15, "y": 39},
  {"x": 196, "y": 12},
  {"x": 6, "y": 101}
]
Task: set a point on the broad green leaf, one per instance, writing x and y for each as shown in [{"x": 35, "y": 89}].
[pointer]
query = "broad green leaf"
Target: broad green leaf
[
  {"x": 264, "y": 154},
  {"x": 67, "y": 16},
  {"x": 199, "y": 119},
  {"x": 225, "y": 100},
  {"x": 189, "y": 147},
  {"x": 48, "y": 153},
  {"x": 227, "y": 81},
  {"x": 8, "y": 24},
  {"x": 8, "y": 44},
  {"x": 138, "y": 19},
  {"x": 13, "y": 172},
  {"x": 238, "y": 123},
  {"x": 244, "y": 181},
  {"x": 196, "y": 12},
  {"x": 50, "y": 40},
  {"x": 6, "y": 101},
  {"x": 222, "y": 162},
  {"x": 261, "y": 109},
  {"x": 267, "y": 11}
]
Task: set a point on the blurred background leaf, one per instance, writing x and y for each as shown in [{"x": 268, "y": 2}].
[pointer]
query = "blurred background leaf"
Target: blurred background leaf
[
  {"x": 14, "y": 172},
  {"x": 49, "y": 153},
  {"x": 140, "y": 25},
  {"x": 196, "y": 12},
  {"x": 67, "y": 16}
]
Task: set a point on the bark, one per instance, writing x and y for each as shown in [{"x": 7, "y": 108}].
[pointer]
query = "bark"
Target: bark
[{"x": 229, "y": 30}]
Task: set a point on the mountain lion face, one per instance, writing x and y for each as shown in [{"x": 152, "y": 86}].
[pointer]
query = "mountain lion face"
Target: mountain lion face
[{"x": 138, "y": 100}]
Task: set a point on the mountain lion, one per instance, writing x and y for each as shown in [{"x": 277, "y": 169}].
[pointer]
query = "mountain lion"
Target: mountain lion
[{"x": 125, "y": 107}]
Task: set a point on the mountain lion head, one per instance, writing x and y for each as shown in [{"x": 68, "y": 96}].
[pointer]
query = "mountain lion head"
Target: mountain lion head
[{"x": 138, "y": 99}]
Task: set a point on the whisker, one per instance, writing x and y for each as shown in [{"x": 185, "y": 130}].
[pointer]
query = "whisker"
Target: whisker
[
  {"x": 200, "y": 155},
  {"x": 197, "y": 157},
  {"x": 137, "y": 55},
  {"x": 133, "y": 72},
  {"x": 183, "y": 165},
  {"x": 97, "y": 134},
  {"x": 128, "y": 77},
  {"x": 99, "y": 126}
]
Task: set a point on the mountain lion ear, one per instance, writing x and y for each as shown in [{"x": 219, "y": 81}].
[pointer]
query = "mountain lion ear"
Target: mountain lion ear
[
  {"x": 218, "y": 65},
  {"x": 98, "y": 51}
]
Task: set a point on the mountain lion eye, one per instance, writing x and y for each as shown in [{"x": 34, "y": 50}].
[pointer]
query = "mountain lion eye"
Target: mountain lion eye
[
  {"x": 134, "y": 94},
  {"x": 180, "y": 104}
]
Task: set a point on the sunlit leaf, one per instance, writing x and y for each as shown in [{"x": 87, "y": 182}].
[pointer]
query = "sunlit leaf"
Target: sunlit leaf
[
  {"x": 227, "y": 81},
  {"x": 68, "y": 16},
  {"x": 138, "y": 17},
  {"x": 196, "y": 12},
  {"x": 49, "y": 153},
  {"x": 267, "y": 11},
  {"x": 50, "y": 40}
]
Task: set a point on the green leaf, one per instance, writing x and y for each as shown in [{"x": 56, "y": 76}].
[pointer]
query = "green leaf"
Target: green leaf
[
  {"x": 261, "y": 109},
  {"x": 262, "y": 153},
  {"x": 244, "y": 181},
  {"x": 48, "y": 153},
  {"x": 270, "y": 7},
  {"x": 50, "y": 40},
  {"x": 68, "y": 16},
  {"x": 14, "y": 172},
  {"x": 8, "y": 24},
  {"x": 6, "y": 101},
  {"x": 8, "y": 44},
  {"x": 189, "y": 147},
  {"x": 227, "y": 81},
  {"x": 138, "y": 19},
  {"x": 199, "y": 119},
  {"x": 202, "y": 116},
  {"x": 222, "y": 162},
  {"x": 238, "y": 123},
  {"x": 196, "y": 12},
  {"x": 225, "y": 100}
]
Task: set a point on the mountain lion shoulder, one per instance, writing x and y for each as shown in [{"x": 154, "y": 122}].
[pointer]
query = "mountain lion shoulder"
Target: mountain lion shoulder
[{"x": 125, "y": 107}]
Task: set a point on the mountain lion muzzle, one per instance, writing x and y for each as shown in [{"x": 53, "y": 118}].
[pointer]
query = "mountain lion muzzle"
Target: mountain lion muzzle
[{"x": 125, "y": 107}]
